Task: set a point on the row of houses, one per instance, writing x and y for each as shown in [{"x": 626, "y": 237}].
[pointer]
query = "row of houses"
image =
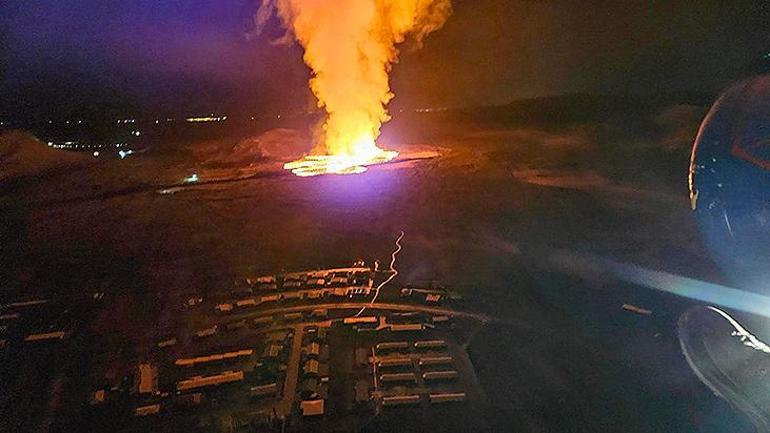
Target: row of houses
[
  {"x": 402, "y": 346},
  {"x": 428, "y": 376},
  {"x": 410, "y": 372},
  {"x": 394, "y": 363},
  {"x": 46, "y": 336},
  {"x": 303, "y": 294},
  {"x": 374, "y": 323},
  {"x": 414, "y": 399},
  {"x": 180, "y": 401},
  {"x": 315, "y": 372},
  {"x": 19, "y": 322},
  {"x": 190, "y": 389},
  {"x": 218, "y": 357},
  {"x": 316, "y": 279},
  {"x": 196, "y": 382},
  {"x": 9, "y": 315}
]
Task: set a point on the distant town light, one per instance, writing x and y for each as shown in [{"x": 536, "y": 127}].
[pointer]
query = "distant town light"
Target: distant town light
[
  {"x": 191, "y": 178},
  {"x": 211, "y": 118},
  {"x": 124, "y": 153},
  {"x": 96, "y": 153}
]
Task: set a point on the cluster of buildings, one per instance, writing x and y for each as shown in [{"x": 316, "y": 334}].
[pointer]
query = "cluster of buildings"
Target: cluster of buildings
[
  {"x": 356, "y": 276},
  {"x": 308, "y": 285},
  {"x": 395, "y": 322},
  {"x": 408, "y": 373},
  {"x": 313, "y": 389},
  {"x": 188, "y": 381},
  {"x": 270, "y": 358}
]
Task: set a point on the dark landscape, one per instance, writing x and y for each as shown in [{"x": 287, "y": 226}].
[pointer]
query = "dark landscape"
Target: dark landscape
[{"x": 485, "y": 198}]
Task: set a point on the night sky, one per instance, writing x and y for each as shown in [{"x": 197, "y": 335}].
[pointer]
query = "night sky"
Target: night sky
[{"x": 60, "y": 57}]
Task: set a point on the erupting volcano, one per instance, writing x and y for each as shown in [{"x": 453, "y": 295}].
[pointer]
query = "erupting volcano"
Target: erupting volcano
[{"x": 350, "y": 46}]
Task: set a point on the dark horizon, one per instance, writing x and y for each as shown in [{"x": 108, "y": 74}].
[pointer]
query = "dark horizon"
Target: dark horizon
[{"x": 85, "y": 57}]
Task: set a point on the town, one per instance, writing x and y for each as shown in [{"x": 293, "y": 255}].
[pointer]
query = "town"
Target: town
[{"x": 320, "y": 350}]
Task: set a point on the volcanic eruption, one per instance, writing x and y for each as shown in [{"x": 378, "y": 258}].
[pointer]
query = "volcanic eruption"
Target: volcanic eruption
[{"x": 350, "y": 46}]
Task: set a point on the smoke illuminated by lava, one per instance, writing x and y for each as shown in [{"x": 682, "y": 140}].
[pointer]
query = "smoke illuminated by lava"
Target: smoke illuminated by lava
[{"x": 350, "y": 45}]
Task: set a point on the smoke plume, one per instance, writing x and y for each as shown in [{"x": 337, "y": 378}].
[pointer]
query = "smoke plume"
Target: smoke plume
[{"x": 350, "y": 46}]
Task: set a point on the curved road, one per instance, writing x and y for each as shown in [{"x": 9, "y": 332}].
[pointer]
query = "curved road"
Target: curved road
[{"x": 358, "y": 305}]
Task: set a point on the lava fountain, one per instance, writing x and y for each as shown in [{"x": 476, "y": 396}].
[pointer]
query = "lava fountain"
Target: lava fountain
[{"x": 350, "y": 46}]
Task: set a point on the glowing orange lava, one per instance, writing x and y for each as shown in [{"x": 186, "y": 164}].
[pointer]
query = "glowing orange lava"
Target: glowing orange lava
[
  {"x": 352, "y": 163},
  {"x": 350, "y": 47}
]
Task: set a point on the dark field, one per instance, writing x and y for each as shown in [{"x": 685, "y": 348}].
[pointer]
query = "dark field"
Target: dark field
[{"x": 510, "y": 185}]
